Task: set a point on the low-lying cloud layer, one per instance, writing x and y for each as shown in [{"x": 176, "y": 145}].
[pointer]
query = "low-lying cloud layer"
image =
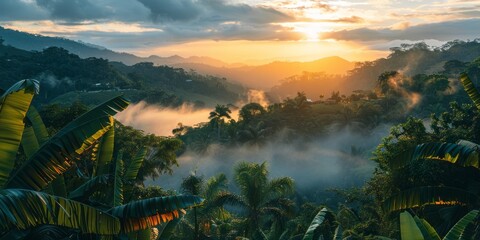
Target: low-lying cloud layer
[
  {"x": 161, "y": 121},
  {"x": 322, "y": 163}
]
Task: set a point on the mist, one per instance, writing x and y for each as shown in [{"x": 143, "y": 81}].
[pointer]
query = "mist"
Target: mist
[
  {"x": 161, "y": 120},
  {"x": 339, "y": 158},
  {"x": 322, "y": 163}
]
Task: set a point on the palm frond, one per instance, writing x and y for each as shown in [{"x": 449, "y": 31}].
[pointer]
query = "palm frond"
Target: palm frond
[
  {"x": 215, "y": 184},
  {"x": 14, "y": 104},
  {"x": 224, "y": 198},
  {"x": 282, "y": 186}
]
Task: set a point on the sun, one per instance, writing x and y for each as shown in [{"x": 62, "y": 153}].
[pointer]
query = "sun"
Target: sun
[{"x": 311, "y": 34}]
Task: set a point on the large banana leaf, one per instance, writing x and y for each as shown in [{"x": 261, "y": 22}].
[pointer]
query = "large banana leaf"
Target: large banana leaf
[
  {"x": 14, "y": 104},
  {"x": 460, "y": 154},
  {"x": 168, "y": 230},
  {"x": 24, "y": 209},
  {"x": 427, "y": 230},
  {"x": 134, "y": 165},
  {"x": 470, "y": 89},
  {"x": 85, "y": 190},
  {"x": 131, "y": 172},
  {"x": 143, "y": 214},
  {"x": 104, "y": 153},
  {"x": 408, "y": 228},
  {"x": 29, "y": 142},
  {"x": 58, "y": 154},
  {"x": 338, "y": 233},
  {"x": 38, "y": 126},
  {"x": 316, "y": 223},
  {"x": 118, "y": 181},
  {"x": 423, "y": 196},
  {"x": 459, "y": 230}
]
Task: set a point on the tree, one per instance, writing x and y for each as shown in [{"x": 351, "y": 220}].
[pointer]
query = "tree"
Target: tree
[
  {"x": 251, "y": 110},
  {"x": 193, "y": 185},
  {"x": 259, "y": 196},
  {"x": 218, "y": 116}
]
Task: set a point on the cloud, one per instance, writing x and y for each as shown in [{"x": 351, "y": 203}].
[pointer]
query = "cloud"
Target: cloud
[
  {"x": 325, "y": 162},
  {"x": 15, "y": 10},
  {"x": 176, "y": 10},
  {"x": 443, "y": 31},
  {"x": 73, "y": 10}
]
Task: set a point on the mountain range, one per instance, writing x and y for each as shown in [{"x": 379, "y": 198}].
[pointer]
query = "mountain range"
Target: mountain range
[{"x": 261, "y": 76}]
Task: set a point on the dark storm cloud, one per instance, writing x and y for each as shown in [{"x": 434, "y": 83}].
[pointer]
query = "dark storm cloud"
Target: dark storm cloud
[
  {"x": 444, "y": 31},
  {"x": 175, "y": 20},
  {"x": 211, "y": 11},
  {"x": 176, "y": 10},
  {"x": 17, "y": 10},
  {"x": 73, "y": 10}
]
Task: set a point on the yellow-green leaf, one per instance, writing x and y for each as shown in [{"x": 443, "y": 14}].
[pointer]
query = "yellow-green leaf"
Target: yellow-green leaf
[{"x": 14, "y": 104}]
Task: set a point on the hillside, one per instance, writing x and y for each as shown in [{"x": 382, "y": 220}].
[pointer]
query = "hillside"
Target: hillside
[
  {"x": 61, "y": 72},
  {"x": 268, "y": 75},
  {"x": 35, "y": 42},
  {"x": 409, "y": 60},
  {"x": 262, "y": 76}
]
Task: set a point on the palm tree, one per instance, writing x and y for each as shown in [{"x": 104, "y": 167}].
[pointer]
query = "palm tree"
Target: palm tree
[
  {"x": 217, "y": 117},
  {"x": 259, "y": 197},
  {"x": 193, "y": 185}
]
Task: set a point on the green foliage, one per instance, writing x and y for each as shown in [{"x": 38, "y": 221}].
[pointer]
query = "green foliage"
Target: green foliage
[
  {"x": 259, "y": 196},
  {"x": 14, "y": 105},
  {"x": 409, "y": 228},
  {"x": 315, "y": 225},
  {"x": 143, "y": 214},
  {"x": 23, "y": 209},
  {"x": 57, "y": 155}
]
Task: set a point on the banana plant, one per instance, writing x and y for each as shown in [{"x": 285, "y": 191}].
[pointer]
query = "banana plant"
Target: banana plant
[
  {"x": 25, "y": 210},
  {"x": 463, "y": 154},
  {"x": 412, "y": 227}
]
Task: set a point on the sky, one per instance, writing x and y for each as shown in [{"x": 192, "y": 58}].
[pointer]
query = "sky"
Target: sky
[{"x": 248, "y": 31}]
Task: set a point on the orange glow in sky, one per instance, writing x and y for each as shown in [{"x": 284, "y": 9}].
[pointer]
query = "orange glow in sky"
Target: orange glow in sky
[{"x": 248, "y": 31}]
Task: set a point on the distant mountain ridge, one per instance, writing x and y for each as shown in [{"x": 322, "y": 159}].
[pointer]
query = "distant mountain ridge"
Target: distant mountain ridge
[
  {"x": 269, "y": 75},
  {"x": 36, "y": 42},
  {"x": 262, "y": 76}
]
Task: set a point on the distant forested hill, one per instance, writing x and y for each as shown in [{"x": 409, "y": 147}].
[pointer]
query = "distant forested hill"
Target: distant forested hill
[
  {"x": 36, "y": 42},
  {"x": 408, "y": 59},
  {"x": 61, "y": 72}
]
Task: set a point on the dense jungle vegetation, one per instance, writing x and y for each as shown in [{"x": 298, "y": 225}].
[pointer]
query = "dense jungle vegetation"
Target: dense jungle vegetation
[{"x": 70, "y": 171}]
